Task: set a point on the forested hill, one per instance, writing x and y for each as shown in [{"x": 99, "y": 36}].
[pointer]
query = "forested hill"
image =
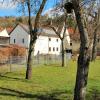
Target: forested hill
[{"x": 6, "y": 22}]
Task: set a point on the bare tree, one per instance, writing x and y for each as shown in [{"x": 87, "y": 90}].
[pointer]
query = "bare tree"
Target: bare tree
[
  {"x": 94, "y": 48},
  {"x": 33, "y": 32},
  {"x": 95, "y": 35},
  {"x": 33, "y": 35},
  {"x": 84, "y": 55},
  {"x": 92, "y": 21},
  {"x": 58, "y": 30}
]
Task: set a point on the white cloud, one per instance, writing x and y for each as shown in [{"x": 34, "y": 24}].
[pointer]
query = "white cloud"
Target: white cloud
[
  {"x": 51, "y": 12},
  {"x": 7, "y": 4},
  {"x": 47, "y": 11}
]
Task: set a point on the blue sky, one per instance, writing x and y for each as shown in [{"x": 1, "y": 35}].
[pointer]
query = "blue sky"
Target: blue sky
[{"x": 11, "y": 10}]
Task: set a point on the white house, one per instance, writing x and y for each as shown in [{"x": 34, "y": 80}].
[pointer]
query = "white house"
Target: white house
[
  {"x": 47, "y": 42},
  {"x": 4, "y": 37}
]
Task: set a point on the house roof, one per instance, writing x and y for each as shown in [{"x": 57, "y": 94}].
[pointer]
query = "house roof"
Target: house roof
[
  {"x": 25, "y": 27},
  {"x": 43, "y": 31},
  {"x": 4, "y": 33}
]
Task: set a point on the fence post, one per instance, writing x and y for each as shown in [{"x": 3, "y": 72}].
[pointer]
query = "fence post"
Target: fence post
[{"x": 10, "y": 63}]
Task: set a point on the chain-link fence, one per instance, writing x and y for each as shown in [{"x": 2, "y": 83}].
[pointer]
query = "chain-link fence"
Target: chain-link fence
[
  {"x": 47, "y": 59},
  {"x": 14, "y": 63}
]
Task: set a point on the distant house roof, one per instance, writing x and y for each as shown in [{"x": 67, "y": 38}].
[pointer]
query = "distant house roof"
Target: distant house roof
[
  {"x": 4, "y": 33},
  {"x": 9, "y": 29},
  {"x": 71, "y": 30}
]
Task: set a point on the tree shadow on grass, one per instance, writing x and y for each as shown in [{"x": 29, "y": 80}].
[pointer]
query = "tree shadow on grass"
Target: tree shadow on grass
[
  {"x": 93, "y": 94},
  {"x": 4, "y": 76},
  {"x": 8, "y": 78},
  {"x": 39, "y": 96}
]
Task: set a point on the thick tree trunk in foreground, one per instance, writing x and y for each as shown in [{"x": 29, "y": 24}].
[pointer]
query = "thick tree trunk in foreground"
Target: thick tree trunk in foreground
[
  {"x": 33, "y": 36},
  {"x": 81, "y": 78},
  {"x": 84, "y": 57},
  {"x": 62, "y": 44}
]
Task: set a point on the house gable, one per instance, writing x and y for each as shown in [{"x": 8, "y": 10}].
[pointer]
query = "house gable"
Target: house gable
[
  {"x": 20, "y": 36},
  {"x": 20, "y": 27}
]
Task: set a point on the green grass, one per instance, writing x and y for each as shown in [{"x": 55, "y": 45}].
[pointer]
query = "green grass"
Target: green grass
[{"x": 48, "y": 83}]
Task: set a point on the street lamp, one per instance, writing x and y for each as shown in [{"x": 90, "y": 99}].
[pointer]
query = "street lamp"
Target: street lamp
[{"x": 69, "y": 6}]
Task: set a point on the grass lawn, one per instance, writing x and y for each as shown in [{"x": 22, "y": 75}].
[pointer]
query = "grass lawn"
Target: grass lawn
[{"x": 48, "y": 83}]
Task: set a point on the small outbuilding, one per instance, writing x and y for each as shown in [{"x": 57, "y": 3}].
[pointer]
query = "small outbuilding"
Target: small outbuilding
[{"x": 4, "y": 37}]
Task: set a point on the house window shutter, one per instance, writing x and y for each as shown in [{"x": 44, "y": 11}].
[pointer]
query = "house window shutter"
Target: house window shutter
[
  {"x": 14, "y": 40},
  {"x": 23, "y": 40}
]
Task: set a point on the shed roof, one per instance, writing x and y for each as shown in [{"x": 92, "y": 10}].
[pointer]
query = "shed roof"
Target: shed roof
[{"x": 4, "y": 33}]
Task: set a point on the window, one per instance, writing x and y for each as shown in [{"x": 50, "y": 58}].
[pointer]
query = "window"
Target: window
[
  {"x": 23, "y": 41},
  {"x": 57, "y": 40},
  {"x": 57, "y": 49},
  {"x": 70, "y": 44},
  {"x": 53, "y": 48},
  {"x": 14, "y": 40},
  {"x": 49, "y": 39},
  {"x": 69, "y": 51},
  {"x": 49, "y": 48},
  {"x": 98, "y": 40}
]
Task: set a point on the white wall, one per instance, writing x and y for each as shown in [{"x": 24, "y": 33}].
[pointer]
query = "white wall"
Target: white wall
[
  {"x": 66, "y": 38},
  {"x": 19, "y": 34},
  {"x": 42, "y": 45},
  {"x": 54, "y": 44}
]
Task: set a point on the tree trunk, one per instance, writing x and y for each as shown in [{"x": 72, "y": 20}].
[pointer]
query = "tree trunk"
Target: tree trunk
[
  {"x": 62, "y": 44},
  {"x": 81, "y": 78},
  {"x": 84, "y": 57},
  {"x": 94, "y": 49},
  {"x": 29, "y": 63}
]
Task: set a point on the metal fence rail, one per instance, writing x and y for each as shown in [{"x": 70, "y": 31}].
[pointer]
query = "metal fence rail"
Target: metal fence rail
[
  {"x": 47, "y": 59},
  {"x": 13, "y": 59},
  {"x": 39, "y": 59}
]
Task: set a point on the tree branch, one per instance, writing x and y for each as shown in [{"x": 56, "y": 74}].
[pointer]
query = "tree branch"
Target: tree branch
[
  {"x": 54, "y": 29},
  {"x": 38, "y": 15}
]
